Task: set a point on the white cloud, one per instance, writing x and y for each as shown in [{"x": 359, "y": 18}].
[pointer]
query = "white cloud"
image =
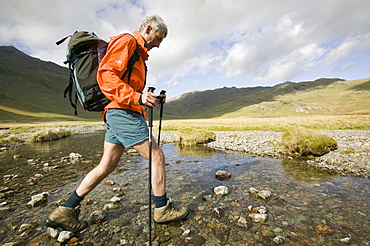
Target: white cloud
[
  {"x": 294, "y": 64},
  {"x": 244, "y": 41},
  {"x": 350, "y": 47}
]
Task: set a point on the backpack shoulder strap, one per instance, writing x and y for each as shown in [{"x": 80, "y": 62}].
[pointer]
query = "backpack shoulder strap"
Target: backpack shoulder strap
[
  {"x": 131, "y": 62},
  {"x": 134, "y": 58}
]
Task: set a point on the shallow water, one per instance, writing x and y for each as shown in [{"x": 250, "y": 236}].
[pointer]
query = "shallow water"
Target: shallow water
[{"x": 307, "y": 207}]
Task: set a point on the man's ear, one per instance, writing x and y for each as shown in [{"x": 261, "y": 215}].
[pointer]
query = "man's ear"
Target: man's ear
[{"x": 148, "y": 29}]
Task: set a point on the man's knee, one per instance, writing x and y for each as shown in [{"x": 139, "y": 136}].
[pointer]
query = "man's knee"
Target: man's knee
[{"x": 158, "y": 156}]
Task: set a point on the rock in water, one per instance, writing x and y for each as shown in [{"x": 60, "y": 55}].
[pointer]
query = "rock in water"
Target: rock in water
[
  {"x": 222, "y": 175},
  {"x": 221, "y": 190},
  {"x": 99, "y": 216}
]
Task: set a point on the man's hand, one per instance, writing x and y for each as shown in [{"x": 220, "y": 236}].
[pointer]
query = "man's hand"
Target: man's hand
[
  {"x": 161, "y": 98},
  {"x": 149, "y": 99}
]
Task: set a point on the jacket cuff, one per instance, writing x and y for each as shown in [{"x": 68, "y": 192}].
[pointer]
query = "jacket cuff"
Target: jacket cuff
[{"x": 137, "y": 99}]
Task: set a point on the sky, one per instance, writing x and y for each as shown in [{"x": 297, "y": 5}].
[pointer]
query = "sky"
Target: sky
[{"x": 211, "y": 43}]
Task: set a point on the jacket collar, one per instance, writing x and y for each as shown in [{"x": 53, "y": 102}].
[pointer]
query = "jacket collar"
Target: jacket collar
[{"x": 140, "y": 40}]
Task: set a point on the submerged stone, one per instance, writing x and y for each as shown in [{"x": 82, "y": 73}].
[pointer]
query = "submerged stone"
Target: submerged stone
[{"x": 221, "y": 190}]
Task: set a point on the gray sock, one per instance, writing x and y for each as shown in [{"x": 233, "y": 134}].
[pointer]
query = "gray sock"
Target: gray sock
[
  {"x": 160, "y": 201},
  {"x": 73, "y": 201}
]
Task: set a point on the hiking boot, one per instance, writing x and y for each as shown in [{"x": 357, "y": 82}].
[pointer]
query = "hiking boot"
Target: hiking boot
[
  {"x": 169, "y": 213},
  {"x": 66, "y": 218}
]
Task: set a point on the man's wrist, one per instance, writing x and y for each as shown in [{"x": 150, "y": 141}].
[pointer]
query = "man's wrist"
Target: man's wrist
[{"x": 140, "y": 100}]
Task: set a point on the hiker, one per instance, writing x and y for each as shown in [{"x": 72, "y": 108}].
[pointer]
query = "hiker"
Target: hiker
[{"x": 126, "y": 126}]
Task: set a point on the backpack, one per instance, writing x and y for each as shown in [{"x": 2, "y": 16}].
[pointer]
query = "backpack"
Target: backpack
[{"x": 84, "y": 53}]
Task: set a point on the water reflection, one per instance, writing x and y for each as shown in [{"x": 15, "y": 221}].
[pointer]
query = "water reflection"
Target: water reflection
[
  {"x": 196, "y": 151},
  {"x": 302, "y": 172}
]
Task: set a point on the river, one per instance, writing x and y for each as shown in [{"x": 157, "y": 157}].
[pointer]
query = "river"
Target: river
[{"x": 306, "y": 207}]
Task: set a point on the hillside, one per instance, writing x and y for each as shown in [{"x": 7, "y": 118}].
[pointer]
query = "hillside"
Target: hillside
[
  {"x": 32, "y": 91},
  {"x": 319, "y": 97}
]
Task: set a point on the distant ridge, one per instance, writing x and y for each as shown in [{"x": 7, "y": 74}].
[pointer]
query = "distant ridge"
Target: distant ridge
[
  {"x": 325, "y": 96},
  {"x": 32, "y": 91}
]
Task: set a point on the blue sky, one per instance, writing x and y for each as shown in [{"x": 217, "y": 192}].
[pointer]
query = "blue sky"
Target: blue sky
[{"x": 211, "y": 43}]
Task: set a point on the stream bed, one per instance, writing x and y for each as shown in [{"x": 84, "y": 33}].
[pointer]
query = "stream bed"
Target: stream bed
[{"x": 306, "y": 206}]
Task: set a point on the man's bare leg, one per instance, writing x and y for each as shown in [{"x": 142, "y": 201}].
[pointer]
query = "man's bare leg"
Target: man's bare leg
[
  {"x": 165, "y": 211},
  {"x": 66, "y": 216},
  {"x": 158, "y": 166},
  {"x": 108, "y": 163}
]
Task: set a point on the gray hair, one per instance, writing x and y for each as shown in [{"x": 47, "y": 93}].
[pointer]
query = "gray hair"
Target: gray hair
[{"x": 156, "y": 22}]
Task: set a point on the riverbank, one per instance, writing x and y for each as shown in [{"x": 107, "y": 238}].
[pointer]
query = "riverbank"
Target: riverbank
[{"x": 351, "y": 157}]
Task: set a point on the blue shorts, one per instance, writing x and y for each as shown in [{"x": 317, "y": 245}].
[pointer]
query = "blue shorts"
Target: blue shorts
[{"x": 125, "y": 127}]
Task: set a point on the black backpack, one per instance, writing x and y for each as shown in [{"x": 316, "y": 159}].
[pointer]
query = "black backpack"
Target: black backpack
[{"x": 84, "y": 53}]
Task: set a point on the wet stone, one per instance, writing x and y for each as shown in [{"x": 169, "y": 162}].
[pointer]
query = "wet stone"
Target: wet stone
[
  {"x": 27, "y": 226},
  {"x": 222, "y": 175},
  {"x": 38, "y": 200},
  {"x": 258, "y": 218},
  {"x": 65, "y": 236},
  {"x": 194, "y": 240},
  {"x": 264, "y": 194},
  {"x": 221, "y": 190},
  {"x": 111, "y": 206},
  {"x": 109, "y": 182},
  {"x": 99, "y": 216},
  {"x": 278, "y": 240},
  {"x": 115, "y": 199},
  {"x": 53, "y": 232},
  {"x": 88, "y": 201},
  {"x": 242, "y": 222}
]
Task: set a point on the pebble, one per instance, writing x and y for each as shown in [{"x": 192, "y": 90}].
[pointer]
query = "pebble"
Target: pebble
[
  {"x": 264, "y": 194},
  {"x": 278, "y": 240},
  {"x": 115, "y": 199},
  {"x": 222, "y": 175},
  {"x": 242, "y": 222},
  {"x": 53, "y": 232},
  {"x": 109, "y": 182},
  {"x": 64, "y": 236},
  {"x": 195, "y": 240},
  {"x": 99, "y": 216},
  {"x": 111, "y": 206},
  {"x": 221, "y": 190},
  {"x": 38, "y": 200},
  {"x": 258, "y": 218}
]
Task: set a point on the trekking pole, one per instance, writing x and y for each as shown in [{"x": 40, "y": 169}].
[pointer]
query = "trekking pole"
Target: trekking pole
[
  {"x": 163, "y": 92},
  {"x": 150, "y": 89}
]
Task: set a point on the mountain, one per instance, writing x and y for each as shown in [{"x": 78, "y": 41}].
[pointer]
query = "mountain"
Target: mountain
[
  {"x": 32, "y": 91},
  {"x": 320, "y": 97}
]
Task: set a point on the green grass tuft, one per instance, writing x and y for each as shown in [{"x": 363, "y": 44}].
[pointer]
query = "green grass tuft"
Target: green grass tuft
[
  {"x": 306, "y": 142},
  {"x": 51, "y": 134},
  {"x": 192, "y": 136}
]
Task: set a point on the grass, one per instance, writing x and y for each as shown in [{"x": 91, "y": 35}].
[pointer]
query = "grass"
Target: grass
[
  {"x": 306, "y": 142},
  {"x": 191, "y": 136},
  {"x": 45, "y": 131},
  {"x": 340, "y": 122},
  {"x": 51, "y": 134}
]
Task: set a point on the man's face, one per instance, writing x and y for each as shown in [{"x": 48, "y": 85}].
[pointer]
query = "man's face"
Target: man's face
[{"x": 153, "y": 39}]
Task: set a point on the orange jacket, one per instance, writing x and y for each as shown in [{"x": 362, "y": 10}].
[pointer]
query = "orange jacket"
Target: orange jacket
[{"x": 111, "y": 69}]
